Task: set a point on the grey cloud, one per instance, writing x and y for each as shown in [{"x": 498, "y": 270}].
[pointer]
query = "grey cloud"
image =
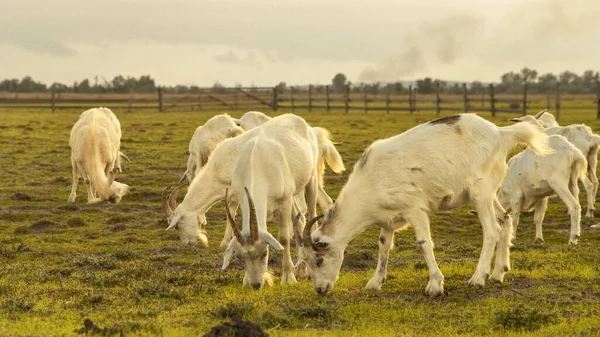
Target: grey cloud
[{"x": 232, "y": 58}]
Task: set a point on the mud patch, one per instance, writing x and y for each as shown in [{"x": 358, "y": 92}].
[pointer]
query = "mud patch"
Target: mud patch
[
  {"x": 43, "y": 226},
  {"x": 76, "y": 222},
  {"x": 237, "y": 327},
  {"x": 21, "y": 197},
  {"x": 117, "y": 228}
]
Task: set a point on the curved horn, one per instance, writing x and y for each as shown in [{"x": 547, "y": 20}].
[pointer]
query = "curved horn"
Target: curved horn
[
  {"x": 173, "y": 195},
  {"x": 539, "y": 114},
  {"x": 165, "y": 201},
  {"x": 307, "y": 240},
  {"x": 231, "y": 220},
  {"x": 253, "y": 219},
  {"x": 124, "y": 156},
  {"x": 183, "y": 178}
]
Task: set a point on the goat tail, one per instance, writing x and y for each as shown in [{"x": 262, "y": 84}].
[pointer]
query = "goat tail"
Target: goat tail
[
  {"x": 328, "y": 151},
  {"x": 526, "y": 134}
]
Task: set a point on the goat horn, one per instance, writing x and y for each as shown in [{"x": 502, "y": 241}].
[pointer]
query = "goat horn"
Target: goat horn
[
  {"x": 165, "y": 201},
  {"x": 231, "y": 220},
  {"x": 296, "y": 226},
  {"x": 253, "y": 219},
  {"x": 174, "y": 193},
  {"x": 307, "y": 240}
]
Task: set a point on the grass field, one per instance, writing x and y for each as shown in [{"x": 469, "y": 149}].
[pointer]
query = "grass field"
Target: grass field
[{"x": 116, "y": 265}]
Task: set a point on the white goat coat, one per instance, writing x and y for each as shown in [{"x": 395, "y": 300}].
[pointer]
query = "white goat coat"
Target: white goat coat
[
  {"x": 95, "y": 143},
  {"x": 532, "y": 178},
  {"x": 206, "y": 138}
]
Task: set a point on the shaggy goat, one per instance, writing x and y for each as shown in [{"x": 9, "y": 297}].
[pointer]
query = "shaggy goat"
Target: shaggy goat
[
  {"x": 208, "y": 187},
  {"x": 273, "y": 167},
  {"x": 399, "y": 181},
  {"x": 532, "y": 178},
  {"x": 95, "y": 145},
  {"x": 587, "y": 142},
  {"x": 205, "y": 139},
  {"x": 252, "y": 119}
]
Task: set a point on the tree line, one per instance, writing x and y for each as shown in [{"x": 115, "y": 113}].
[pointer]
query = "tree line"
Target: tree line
[{"x": 511, "y": 82}]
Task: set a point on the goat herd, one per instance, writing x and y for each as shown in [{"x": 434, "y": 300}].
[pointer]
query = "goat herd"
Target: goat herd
[{"x": 275, "y": 166}]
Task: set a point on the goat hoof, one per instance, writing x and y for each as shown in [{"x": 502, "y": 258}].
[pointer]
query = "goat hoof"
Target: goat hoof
[
  {"x": 538, "y": 240},
  {"x": 497, "y": 276},
  {"x": 434, "y": 290},
  {"x": 374, "y": 284},
  {"x": 477, "y": 281},
  {"x": 288, "y": 278}
]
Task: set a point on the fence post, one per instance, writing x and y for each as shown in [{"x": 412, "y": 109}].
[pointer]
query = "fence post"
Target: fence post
[
  {"x": 130, "y": 100},
  {"x": 524, "y": 98},
  {"x": 310, "y": 89},
  {"x": 482, "y": 98},
  {"x": 292, "y": 98},
  {"x": 200, "y": 99},
  {"x": 347, "y": 99},
  {"x": 548, "y": 101},
  {"x": 366, "y": 99},
  {"x": 160, "y": 99},
  {"x": 465, "y": 98},
  {"x": 414, "y": 98},
  {"x": 598, "y": 99},
  {"x": 492, "y": 100},
  {"x": 437, "y": 98},
  {"x": 275, "y": 99},
  {"x": 410, "y": 101},
  {"x": 557, "y": 100},
  {"x": 387, "y": 99},
  {"x": 327, "y": 98},
  {"x": 53, "y": 100},
  {"x": 236, "y": 98}
]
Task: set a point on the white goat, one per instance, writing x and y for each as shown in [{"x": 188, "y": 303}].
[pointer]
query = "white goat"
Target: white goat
[
  {"x": 532, "y": 178},
  {"x": 208, "y": 187},
  {"x": 586, "y": 141},
  {"x": 95, "y": 145},
  {"x": 273, "y": 167},
  {"x": 399, "y": 181},
  {"x": 252, "y": 119},
  {"x": 546, "y": 119},
  {"x": 205, "y": 139}
]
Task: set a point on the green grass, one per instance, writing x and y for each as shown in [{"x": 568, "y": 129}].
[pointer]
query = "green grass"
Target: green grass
[{"x": 115, "y": 265}]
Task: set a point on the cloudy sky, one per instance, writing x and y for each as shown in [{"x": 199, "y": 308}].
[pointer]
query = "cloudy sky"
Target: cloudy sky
[{"x": 296, "y": 41}]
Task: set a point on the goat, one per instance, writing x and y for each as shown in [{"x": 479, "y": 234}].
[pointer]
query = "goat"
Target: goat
[
  {"x": 209, "y": 184},
  {"x": 273, "y": 167},
  {"x": 546, "y": 119},
  {"x": 440, "y": 165},
  {"x": 587, "y": 142},
  {"x": 532, "y": 178},
  {"x": 95, "y": 145},
  {"x": 252, "y": 119},
  {"x": 205, "y": 139}
]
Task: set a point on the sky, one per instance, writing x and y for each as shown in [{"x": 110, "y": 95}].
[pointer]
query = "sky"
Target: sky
[{"x": 264, "y": 42}]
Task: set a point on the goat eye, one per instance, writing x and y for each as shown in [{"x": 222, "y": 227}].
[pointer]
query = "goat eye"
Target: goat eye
[{"x": 319, "y": 261}]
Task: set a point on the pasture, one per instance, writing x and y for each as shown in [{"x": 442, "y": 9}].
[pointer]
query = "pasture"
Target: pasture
[{"x": 116, "y": 265}]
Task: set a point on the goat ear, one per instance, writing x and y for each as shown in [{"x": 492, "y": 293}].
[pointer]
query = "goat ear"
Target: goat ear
[
  {"x": 174, "y": 222},
  {"x": 271, "y": 241},
  {"x": 473, "y": 212},
  {"x": 228, "y": 254},
  {"x": 515, "y": 120}
]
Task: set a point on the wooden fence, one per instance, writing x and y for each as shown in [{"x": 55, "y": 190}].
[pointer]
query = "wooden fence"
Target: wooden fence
[{"x": 307, "y": 98}]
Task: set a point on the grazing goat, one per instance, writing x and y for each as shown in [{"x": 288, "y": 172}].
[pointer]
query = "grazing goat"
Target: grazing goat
[
  {"x": 205, "y": 140},
  {"x": 252, "y": 119},
  {"x": 587, "y": 142},
  {"x": 208, "y": 187},
  {"x": 399, "y": 181},
  {"x": 95, "y": 141},
  {"x": 546, "y": 119},
  {"x": 273, "y": 167},
  {"x": 532, "y": 178}
]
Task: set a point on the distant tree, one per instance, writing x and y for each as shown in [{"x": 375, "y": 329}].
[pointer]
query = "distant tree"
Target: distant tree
[
  {"x": 218, "y": 88},
  {"x": 426, "y": 86},
  {"x": 338, "y": 82},
  {"x": 528, "y": 75}
]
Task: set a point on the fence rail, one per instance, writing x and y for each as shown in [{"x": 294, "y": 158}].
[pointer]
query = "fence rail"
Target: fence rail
[{"x": 293, "y": 98}]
